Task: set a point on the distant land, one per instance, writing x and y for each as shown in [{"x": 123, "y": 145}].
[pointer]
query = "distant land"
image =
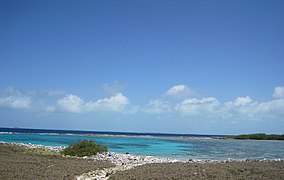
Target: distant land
[{"x": 259, "y": 136}]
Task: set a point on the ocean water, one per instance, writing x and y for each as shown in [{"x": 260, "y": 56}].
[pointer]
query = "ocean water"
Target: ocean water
[{"x": 181, "y": 147}]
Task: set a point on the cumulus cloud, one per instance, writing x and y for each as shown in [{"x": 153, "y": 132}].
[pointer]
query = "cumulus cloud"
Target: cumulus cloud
[
  {"x": 52, "y": 100},
  {"x": 16, "y": 102},
  {"x": 278, "y": 92},
  {"x": 180, "y": 91},
  {"x": 71, "y": 103},
  {"x": 241, "y": 108},
  {"x": 116, "y": 102},
  {"x": 242, "y": 101},
  {"x": 246, "y": 107},
  {"x": 195, "y": 106},
  {"x": 275, "y": 107},
  {"x": 157, "y": 107}
]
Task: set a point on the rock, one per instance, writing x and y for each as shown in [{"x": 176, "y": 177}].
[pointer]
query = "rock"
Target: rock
[{"x": 123, "y": 162}]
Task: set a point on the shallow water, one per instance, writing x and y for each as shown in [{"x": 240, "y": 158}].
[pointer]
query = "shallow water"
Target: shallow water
[{"x": 170, "y": 147}]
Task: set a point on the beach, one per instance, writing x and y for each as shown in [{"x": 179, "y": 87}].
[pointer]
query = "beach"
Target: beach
[{"x": 18, "y": 163}]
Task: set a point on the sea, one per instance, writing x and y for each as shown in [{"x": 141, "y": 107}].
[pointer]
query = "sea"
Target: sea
[{"x": 174, "y": 146}]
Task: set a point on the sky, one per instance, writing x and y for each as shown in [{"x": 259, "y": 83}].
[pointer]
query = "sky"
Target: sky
[{"x": 164, "y": 66}]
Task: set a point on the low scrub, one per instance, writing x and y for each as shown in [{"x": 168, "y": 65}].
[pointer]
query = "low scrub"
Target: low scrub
[
  {"x": 84, "y": 148},
  {"x": 260, "y": 136}
]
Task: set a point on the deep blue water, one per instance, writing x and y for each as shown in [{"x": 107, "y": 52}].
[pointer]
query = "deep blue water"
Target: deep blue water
[
  {"x": 53, "y": 131},
  {"x": 160, "y": 145}
]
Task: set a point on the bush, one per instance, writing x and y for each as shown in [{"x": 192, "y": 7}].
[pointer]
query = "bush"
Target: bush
[
  {"x": 260, "y": 136},
  {"x": 84, "y": 148}
]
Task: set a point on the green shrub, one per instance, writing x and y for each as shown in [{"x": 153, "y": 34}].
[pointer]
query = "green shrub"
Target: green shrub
[
  {"x": 84, "y": 148},
  {"x": 260, "y": 136}
]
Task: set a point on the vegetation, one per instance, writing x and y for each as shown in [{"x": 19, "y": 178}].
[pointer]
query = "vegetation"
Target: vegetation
[
  {"x": 259, "y": 136},
  {"x": 84, "y": 148},
  {"x": 41, "y": 151},
  {"x": 32, "y": 151}
]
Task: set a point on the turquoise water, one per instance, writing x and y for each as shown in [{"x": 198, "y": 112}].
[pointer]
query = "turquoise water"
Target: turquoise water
[{"x": 176, "y": 148}]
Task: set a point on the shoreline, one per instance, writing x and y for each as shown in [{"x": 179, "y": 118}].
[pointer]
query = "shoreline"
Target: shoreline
[
  {"x": 106, "y": 156},
  {"x": 120, "y": 157},
  {"x": 127, "y": 165}
]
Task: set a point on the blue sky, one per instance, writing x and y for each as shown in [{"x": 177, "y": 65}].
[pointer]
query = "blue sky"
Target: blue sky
[{"x": 207, "y": 67}]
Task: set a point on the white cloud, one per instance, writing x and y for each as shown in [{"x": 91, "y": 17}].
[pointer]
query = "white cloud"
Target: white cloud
[
  {"x": 195, "y": 106},
  {"x": 180, "y": 91},
  {"x": 116, "y": 102},
  {"x": 242, "y": 101},
  {"x": 157, "y": 106},
  {"x": 71, "y": 103},
  {"x": 278, "y": 92},
  {"x": 17, "y": 102},
  {"x": 242, "y": 108},
  {"x": 275, "y": 107},
  {"x": 249, "y": 109}
]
